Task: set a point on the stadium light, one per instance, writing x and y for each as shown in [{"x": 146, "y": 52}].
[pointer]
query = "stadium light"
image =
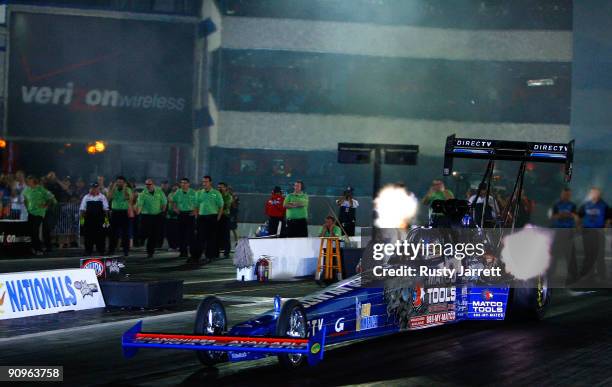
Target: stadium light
[{"x": 100, "y": 146}]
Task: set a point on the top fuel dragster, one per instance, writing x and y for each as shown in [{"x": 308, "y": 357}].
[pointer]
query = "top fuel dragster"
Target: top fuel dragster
[{"x": 299, "y": 331}]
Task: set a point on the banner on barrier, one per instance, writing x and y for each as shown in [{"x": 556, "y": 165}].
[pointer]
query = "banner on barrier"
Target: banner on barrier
[{"x": 34, "y": 293}]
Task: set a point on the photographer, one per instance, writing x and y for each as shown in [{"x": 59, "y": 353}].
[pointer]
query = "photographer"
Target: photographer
[{"x": 347, "y": 211}]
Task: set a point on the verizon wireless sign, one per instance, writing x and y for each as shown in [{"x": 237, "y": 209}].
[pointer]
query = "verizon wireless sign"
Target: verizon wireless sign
[
  {"x": 84, "y": 77},
  {"x": 46, "y": 95},
  {"x": 43, "y": 292}
]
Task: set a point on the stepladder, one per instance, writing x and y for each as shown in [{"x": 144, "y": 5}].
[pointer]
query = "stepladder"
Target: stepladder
[{"x": 329, "y": 263}]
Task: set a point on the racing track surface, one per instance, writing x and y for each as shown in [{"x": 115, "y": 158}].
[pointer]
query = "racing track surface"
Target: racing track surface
[{"x": 572, "y": 346}]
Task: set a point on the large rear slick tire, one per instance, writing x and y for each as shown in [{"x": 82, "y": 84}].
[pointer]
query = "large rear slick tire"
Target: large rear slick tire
[{"x": 529, "y": 301}]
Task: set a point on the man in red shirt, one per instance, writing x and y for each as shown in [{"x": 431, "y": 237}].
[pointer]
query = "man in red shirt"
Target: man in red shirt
[{"x": 275, "y": 210}]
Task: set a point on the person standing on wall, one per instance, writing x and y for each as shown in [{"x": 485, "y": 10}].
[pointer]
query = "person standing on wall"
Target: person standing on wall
[
  {"x": 296, "y": 204},
  {"x": 223, "y": 227},
  {"x": 275, "y": 210},
  {"x": 119, "y": 195},
  {"x": 593, "y": 214},
  {"x": 94, "y": 208},
  {"x": 151, "y": 204},
  {"x": 184, "y": 205},
  {"x": 490, "y": 211},
  {"x": 37, "y": 199},
  {"x": 437, "y": 191},
  {"x": 209, "y": 211},
  {"x": 234, "y": 210},
  {"x": 347, "y": 212},
  {"x": 563, "y": 216}
]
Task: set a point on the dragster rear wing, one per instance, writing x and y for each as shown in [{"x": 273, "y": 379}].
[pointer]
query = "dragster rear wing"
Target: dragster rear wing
[
  {"x": 471, "y": 148},
  {"x": 312, "y": 348}
]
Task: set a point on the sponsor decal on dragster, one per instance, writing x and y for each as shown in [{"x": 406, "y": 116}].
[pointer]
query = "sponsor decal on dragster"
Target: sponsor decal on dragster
[
  {"x": 328, "y": 294},
  {"x": 487, "y": 303},
  {"x": 440, "y": 302},
  {"x": 250, "y": 342},
  {"x": 431, "y": 319},
  {"x": 461, "y": 304},
  {"x": 431, "y": 297},
  {"x": 314, "y": 326},
  {"x": 418, "y": 296},
  {"x": 339, "y": 327},
  {"x": 363, "y": 318},
  {"x": 244, "y": 356}
]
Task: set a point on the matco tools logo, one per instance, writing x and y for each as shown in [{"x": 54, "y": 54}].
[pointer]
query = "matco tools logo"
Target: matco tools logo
[
  {"x": 434, "y": 295},
  {"x": 487, "y": 295},
  {"x": 418, "y": 295}
]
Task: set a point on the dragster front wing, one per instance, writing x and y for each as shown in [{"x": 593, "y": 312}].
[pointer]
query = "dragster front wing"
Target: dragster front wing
[{"x": 313, "y": 348}]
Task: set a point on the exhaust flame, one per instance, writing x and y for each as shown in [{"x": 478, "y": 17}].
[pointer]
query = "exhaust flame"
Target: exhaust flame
[
  {"x": 526, "y": 253},
  {"x": 395, "y": 207}
]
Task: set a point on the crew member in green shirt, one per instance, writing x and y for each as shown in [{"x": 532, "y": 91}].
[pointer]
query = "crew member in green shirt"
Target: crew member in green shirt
[
  {"x": 296, "y": 204},
  {"x": 223, "y": 229},
  {"x": 437, "y": 191},
  {"x": 329, "y": 228},
  {"x": 37, "y": 200},
  {"x": 150, "y": 205},
  {"x": 119, "y": 195},
  {"x": 184, "y": 205},
  {"x": 209, "y": 210}
]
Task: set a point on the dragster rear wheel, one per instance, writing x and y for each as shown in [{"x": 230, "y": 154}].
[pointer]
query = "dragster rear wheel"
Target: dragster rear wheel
[
  {"x": 530, "y": 301},
  {"x": 210, "y": 321},
  {"x": 292, "y": 322}
]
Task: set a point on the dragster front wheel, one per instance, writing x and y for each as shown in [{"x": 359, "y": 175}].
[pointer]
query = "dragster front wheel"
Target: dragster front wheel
[
  {"x": 211, "y": 321},
  {"x": 292, "y": 323}
]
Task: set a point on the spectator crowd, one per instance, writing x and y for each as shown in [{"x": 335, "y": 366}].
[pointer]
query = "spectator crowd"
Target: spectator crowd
[{"x": 198, "y": 222}]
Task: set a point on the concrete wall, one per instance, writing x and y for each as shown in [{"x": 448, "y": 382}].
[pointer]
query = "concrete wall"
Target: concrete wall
[
  {"x": 592, "y": 96},
  {"x": 323, "y": 132}
]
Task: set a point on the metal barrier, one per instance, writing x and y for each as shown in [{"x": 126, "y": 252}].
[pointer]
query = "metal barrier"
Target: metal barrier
[{"x": 67, "y": 224}]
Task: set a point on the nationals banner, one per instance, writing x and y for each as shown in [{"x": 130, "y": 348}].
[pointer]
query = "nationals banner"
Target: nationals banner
[
  {"x": 34, "y": 293},
  {"x": 88, "y": 78}
]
